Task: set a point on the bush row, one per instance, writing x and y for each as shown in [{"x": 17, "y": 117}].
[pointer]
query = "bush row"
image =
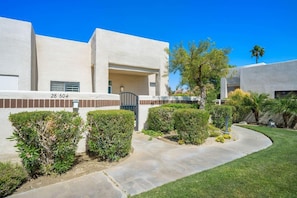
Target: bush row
[
  {"x": 219, "y": 114},
  {"x": 161, "y": 118},
  {"x": 12, "y": 176},
  {"x": 190, "y": 123},
  {"x": 181, "y": 106},
  {"x": 47, "y": 141},
  {"x": 110, "y": 133}
]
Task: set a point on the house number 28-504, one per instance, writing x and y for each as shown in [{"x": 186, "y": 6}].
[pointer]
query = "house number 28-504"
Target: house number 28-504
[{"x": 55, "y": 95}]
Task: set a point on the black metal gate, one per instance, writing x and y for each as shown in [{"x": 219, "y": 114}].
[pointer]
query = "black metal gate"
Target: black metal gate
[{"x": 129, "y": 101}]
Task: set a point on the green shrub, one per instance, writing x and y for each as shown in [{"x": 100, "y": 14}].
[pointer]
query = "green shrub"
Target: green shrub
[
  {"x": 161, "y": 119},
  {"x": 227, "y": 136},
  {"x": 213, "y": 131},
  {"x": 12, "y": 176},
  {"x": 110, "y": 133},
  {"x": 179, "y": 106},
  {"x": 191, "y": 125},
  {"x": 220, "y": 139},
  {"x": 46, "y": 140},
  {"x": 219, "y": 114},
  {"x": 152, "y": 133},
  {"x": 180, "y": 142},
  {"x": 223, "y": 137}
]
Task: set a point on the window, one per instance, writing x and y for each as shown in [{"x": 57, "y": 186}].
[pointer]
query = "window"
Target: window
[
  {"x": 109, "y": 86},
  {"x": 232, "y": 88},
  {"x": 281, "y": 94},
  {"x": 65, "y": 86},
  {"x": 152, "y": 84}
]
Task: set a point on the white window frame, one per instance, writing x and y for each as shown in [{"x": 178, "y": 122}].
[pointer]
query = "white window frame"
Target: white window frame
[{"x": 64, "y": 86}]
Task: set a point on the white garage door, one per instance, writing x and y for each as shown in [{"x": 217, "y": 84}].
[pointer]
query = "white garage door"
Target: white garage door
[{"x": 9, "y": 82}]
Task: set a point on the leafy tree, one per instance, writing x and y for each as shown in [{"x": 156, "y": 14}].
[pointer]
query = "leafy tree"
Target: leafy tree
[
  {"x": 286, "y": 106},
  {"x": 257, "y": 51},
  {"x": 201, "y": 66},
  {"x": 255, "y": 102}
]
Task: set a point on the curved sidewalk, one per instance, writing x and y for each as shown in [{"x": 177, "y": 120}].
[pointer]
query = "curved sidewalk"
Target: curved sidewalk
[{"x": 152, "y": 164}]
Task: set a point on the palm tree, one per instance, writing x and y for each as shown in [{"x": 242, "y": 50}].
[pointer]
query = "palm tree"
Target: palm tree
[
  {"x": 257, "y": 51},
  {"x": 255, "y": 102},
  {"x": 286, "y": 106}
]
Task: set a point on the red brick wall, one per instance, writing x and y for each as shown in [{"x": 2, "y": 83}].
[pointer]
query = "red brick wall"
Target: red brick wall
[{"x": 54, "y": 103}]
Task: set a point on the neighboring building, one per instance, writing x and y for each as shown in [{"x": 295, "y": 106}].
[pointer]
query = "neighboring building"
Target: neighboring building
[
  {"x": 275, "y": 79},
  {"x": 110, "y": 62}
]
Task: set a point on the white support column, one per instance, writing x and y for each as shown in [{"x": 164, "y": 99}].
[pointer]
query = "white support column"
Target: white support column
[
  {"x": 158, "y": 84},
  {"x": 224, "y": 88},
  {"x": 101, "y": 76}
]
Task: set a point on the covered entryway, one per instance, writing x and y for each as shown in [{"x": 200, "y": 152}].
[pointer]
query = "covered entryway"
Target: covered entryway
[
  {"x": 140, "y": 81},
  {"x": 129, "y": 101}
]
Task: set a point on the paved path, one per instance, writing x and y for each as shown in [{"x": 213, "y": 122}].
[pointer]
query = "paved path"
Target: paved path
[{"x": 153, "y": 163}]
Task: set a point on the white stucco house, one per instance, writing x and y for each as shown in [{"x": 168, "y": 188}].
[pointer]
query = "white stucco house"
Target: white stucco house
[
  {"x": 41, "y": 73},
  {"x": 275, "y": 79},
  {"x": 110, "y": 62}
]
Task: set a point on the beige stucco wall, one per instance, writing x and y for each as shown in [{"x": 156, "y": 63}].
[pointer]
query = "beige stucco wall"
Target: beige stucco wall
[
  {"x": 63, "y": 60},
  {"x": 32, "y": 61},
  {"x": 230, "y": 82},
  {"x": 17, "y": 53},
  {"x": 262, "y": 78},
  {"x": 7, "y": 146},
  {"x": 152, "y": 89},
  {"x": 131, "y": 53},
  {"x": 269, "y": 78},
  {"x": 137, "y": 84}
]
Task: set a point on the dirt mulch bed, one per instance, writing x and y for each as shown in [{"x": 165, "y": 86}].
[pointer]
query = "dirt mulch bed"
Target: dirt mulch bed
[{"x": 83, "y": 166}]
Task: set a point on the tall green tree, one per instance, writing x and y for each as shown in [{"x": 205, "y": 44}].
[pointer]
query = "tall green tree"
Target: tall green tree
[
  {"x": 255, "y": 102},
  {"x": 257, "y": 52},
  {"x": 200, "y": 66},
  {"x": 286, "y": 106}
]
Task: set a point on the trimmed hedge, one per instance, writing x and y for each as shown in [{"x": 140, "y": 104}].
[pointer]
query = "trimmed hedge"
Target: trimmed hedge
[
  {"x": 191, "y": 125},
  {"x": 161, "y": 119},
  {"x": 47, "y": 141},
  {"x": 110, "y": 133},
  {"x": 219, "y": 114},
  {"x": 12, "y": 176},
  {"x": 179, "y": 105}
]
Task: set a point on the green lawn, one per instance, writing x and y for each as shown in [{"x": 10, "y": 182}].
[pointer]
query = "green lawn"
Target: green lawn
[{"x": 269, "y": 173}]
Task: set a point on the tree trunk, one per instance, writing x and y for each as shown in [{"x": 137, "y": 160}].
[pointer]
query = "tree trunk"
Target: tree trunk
[
  {"x": 286, "y": 118},
  {"x": 256, "y": 114},
  {"x": 202, "y": 88},
  {"x": 202, "y": 97}
]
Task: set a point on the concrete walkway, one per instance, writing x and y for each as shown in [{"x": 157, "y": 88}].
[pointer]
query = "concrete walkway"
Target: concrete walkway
[{"x": 153, "y": 164}]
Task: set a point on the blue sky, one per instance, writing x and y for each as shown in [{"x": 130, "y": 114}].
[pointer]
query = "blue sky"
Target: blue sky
[{"x": 234, "y": 24}]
